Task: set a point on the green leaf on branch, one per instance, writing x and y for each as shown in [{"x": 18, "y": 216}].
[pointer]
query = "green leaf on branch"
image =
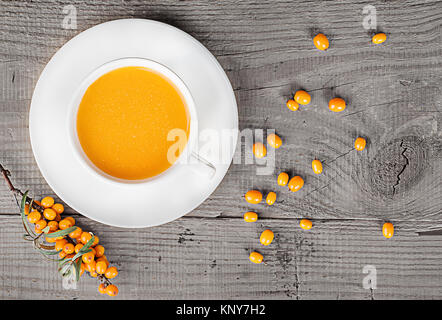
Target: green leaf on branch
[
  {"x": 80, "y": 253},
  {"x": 47, "y": 252},
  {"x": 23, "y": 216},
  {"x": 61, "y": 233},
  {"x": 84, "y": 249},
  {"x": 89, "y": 243},
  {"x": 77, "y": 267}
]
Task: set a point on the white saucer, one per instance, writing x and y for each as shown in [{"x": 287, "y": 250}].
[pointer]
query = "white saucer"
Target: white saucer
[{"x": 131, "y": 205}]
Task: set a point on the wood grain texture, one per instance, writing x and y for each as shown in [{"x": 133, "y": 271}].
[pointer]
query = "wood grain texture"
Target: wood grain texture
[
  {"x": 206, "y": 258},
  {"x": 394, "y": 99}
]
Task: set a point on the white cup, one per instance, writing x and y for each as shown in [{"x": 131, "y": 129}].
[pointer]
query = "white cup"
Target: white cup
[{"x": 189, "y": 157}]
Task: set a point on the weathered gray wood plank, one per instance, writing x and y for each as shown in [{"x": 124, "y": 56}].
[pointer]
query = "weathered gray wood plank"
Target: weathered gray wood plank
[
  {"x": 394, "y": 100},
  {"x": 208, "y": 258}
]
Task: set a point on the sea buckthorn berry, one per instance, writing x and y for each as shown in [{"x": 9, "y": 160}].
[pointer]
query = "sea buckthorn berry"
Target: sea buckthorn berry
[
  {"x": 99, "y": 251},
  {"x": 274, "y": 141},
  {"x": 255, "y": 257},
  {"x": 53, "y": 226},
  {"x": 336, "y": 104},
  {"x": 96, "y": 240},
  {"x": 250, "y": 216},
  {"x": 68, "y": 248},
  {"x": 58, "y": 217},
  {"x": 37, "y": 202},
  {"x": 72, "y": 220},
  {"x": 111, "y": 272},
  {"x": 102, "y": 288},
  {"x": 50, "y": 240},
  {"x": 103, "y": 258},
  {"x": 296, "y": 183},
  {"x": 59, "y": 244},
  {"x": 88, "y": 257},
  {"x": 37, "y": 230},
  {"x": 305, "y": 224},
  {"x": 26, "y": 209},
  {"x": 321, "y": 42},
  {"x": 49, "y": 214},
  {"x": 302, "y": 97},
  {"x": 47, "y": 202},
  {"x": 78, "y": 246},
  {"x": 82, "y": 268},
  {"x": 100, "y": 267},
  {"x": 271, "y": 198},
  {"x": 388, "y": 230},
  {"x": 266, "y": 237},
  {"x": 379, "y": 38},
  {"x": 91, "y": 266},
  {"x": 41, "y": 224},
  {"x": 62, "y": 254},
  {"x": 93, "y": 274},
  {"x": 76, "y": 233},
  {"x": 58, "y": 207},
  {"x": 34, "y": 216},
  {"x": 253, "y": 196},
  {"x": 112, "y": 290},
  {"x": 283, "y": 179},
  {"x": 317, "y": 166},
  {"x": 259, "y": 150},
  {"x": 292, "y": 105},
  {"x": 64, "y": 224},
  {"x": 85, "y": 237},
  {"x": 360, "y": 144}
]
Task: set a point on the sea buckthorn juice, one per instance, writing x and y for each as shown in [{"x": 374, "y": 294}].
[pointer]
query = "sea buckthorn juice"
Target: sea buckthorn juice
[{"x": 123, "y": 121}]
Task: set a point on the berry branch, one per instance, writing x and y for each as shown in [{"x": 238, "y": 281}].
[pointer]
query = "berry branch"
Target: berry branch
[
  {"x": 78, "y": 250},
  {"x": 18, "y": 192}
]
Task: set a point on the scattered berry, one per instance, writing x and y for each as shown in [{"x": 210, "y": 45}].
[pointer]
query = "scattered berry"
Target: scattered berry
[
  {"x": 253, "y": 196},
  {"x": 360, "y": 144},
  {"x": 292, "y": 105},
  {"x": 302, "y": 97},
  {"x": 283, "y": 179},
  {"x": 305, "y": 224},
  {"x": 250, "y": 216},
  {"x": 271, "y": 198},
  {"x": 266, "y": 237},
  {"x": 388, "y": 230},
  {"x": 259, "y": 150},
  {"x": 379, "y": 38},
  {"x": 336, "y": 105},
  {"x": 274, "y": 141},
  {"x": 256, "y": 257},
  {"x": 321, "y": 42},
  {"x": 317, "y": 166},
  {"x": 296, "y": 183}
]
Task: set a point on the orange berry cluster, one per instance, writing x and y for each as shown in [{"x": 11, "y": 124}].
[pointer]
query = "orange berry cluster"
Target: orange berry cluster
[
  {"x": 50, "y": 217},
  {"x": 94, "y": 261}
]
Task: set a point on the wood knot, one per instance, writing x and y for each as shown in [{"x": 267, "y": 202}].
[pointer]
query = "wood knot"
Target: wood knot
[{"x": 397, "y": 166}]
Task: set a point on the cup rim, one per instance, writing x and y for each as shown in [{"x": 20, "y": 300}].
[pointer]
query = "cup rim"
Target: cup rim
[{"x": 109, "y": 66}]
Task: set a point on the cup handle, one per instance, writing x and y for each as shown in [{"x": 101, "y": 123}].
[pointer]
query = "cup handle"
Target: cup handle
[{"x": 202, "y": 166}]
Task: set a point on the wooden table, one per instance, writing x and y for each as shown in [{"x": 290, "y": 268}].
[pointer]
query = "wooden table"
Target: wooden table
[{"x": 394, "y": 99}]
